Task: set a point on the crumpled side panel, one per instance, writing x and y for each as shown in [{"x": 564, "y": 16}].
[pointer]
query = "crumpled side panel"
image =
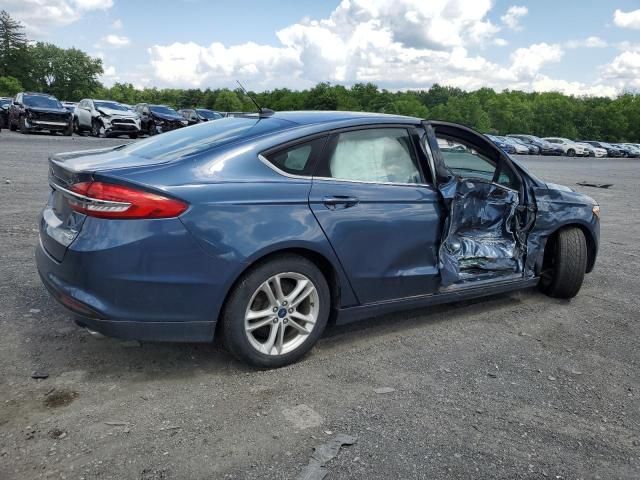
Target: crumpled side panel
[
  {"x": 479, "y": 234},
  {"x": 554, "y": 208}
]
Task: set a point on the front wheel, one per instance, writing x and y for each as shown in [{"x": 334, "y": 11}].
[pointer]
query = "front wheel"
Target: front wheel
[
  {"x": 571, "y": 152},
  {"x": 22, "y": 122},
  {"x": 276, "y": 312},
  {"x": 95, "y": 128},
  {"x": 565, "y": 263}
]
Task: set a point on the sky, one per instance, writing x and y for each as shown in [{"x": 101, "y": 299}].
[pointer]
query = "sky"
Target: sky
[{"x": 579, "y": 47}]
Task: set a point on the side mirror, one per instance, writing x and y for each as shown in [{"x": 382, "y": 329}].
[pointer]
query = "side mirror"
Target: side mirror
[{"x": 18, "y": 104}]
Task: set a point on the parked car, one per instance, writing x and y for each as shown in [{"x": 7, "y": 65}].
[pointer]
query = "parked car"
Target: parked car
[
  {"x": 156, "y": 119},
  {"x": 521, "y": 149},
  {"x": 5, "y": 104},
  {"x": 629, "y": 151},
  {"x": 39, "y": 111},
  {"x": 506, "y": 147},
  {"x": 266, "y": 225},
  {"x": 570, "y": 148},
  {"x": 530, "y": 149},
  {"x": 612, "y": 151},
  {"x": 546, "y": 148},
  {"x": 594, "y": 151},
  {"x": 69, "y": 106},
  {"x": 105, "y": 116},
  {"x": 199, "y": 115},
  {"x": 634, "y": 146}
]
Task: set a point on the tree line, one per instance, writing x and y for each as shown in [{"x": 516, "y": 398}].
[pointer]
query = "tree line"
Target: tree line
[{"x": 71, "y": 74}]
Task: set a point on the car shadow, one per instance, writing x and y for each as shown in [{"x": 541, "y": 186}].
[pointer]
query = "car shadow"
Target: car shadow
[{"x": 57, "y": 345}]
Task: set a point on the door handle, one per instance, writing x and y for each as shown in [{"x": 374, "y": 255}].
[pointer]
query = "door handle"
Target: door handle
[{"x": 340, "y": 201}]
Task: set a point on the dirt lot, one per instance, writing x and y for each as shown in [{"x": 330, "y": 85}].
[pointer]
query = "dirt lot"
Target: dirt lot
[{"x": 513, "y": 386}]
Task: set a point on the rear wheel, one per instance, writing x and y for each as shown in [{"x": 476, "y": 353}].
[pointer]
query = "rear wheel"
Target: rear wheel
[
  {"x": 276, "y": 312},
  {"x": 565, "y": 263}
]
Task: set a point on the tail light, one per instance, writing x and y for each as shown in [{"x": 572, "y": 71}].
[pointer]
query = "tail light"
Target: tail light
[{"x": 108, "y": 200}]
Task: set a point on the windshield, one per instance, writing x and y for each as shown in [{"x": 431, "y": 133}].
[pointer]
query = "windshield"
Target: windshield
[
  {"x": 163, "y": 110},
  {"x": 198, "y": 138},
  {"x": 40, "y": 101},
  {"x": 111, "y": 106},
  {"x": 208, "y": 114},
  {"x": 606, "y": 145},
  {"x": 4, "y": 101}
]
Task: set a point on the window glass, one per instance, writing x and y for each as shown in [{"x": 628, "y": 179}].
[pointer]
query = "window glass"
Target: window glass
[
  {"x": 465, "y": 161},
  {"x": 375, "y": 155},
  {"x": 297, "y": 159}
]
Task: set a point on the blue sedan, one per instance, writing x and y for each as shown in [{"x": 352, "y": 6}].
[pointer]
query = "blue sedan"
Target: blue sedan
[{"x": 261, "y": 229}]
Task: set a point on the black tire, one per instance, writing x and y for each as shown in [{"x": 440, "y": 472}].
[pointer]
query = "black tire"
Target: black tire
[
  {"x": 76, "y": 126},
  {"x": 12, "y": 126},
  {"x": 571, "y": 152},
  {"x": 565, "y": 263},
  {"x": 133, "y": 136},
  {"x": 151, "y": 130},
  {"x": 233, "y": 330},
  {"x": 69, "y": 130},
  {"x": 95, "y": 128},
  {"x": 22, "y": 125}
]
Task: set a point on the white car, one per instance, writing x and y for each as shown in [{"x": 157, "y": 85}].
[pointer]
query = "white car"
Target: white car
[
  {"x": 105, "y": 116},
  {"x": 594, "y": 151},
  {"x": 570, "y": 148}
]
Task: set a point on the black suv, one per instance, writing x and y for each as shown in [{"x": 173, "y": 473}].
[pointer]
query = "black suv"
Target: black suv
[
  {"x": 199, "y": 115},
  {"x": 5, "y": 103},
  {"x": 158, "y": 118},
  {"x": 39, "y": 111}
]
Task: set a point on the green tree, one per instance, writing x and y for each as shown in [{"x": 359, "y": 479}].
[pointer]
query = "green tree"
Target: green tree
[
  {"x": 14, "y": 58},
  {"x": 69, "y": 74},
  {"x": 9, "y": 86},
  {"x": 227, "y": 101}
]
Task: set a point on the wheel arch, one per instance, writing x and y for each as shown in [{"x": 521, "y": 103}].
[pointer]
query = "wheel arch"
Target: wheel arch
[{"x": 326, "y": 266}]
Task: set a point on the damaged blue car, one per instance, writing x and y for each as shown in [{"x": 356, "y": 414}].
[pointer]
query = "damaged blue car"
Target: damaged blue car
[{"x": 261, "y": 229}]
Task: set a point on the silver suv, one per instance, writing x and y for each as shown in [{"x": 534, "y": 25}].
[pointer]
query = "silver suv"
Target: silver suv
[{"x": 105, "y": 117}]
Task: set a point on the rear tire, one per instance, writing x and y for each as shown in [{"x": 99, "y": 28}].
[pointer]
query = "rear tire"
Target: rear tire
[
  {"x": 259, "y": 345},
  {"x": 565, "y": 263}
]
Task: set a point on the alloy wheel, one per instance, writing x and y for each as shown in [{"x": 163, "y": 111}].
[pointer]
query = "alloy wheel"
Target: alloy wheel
[{"x": 282, "y": 313}]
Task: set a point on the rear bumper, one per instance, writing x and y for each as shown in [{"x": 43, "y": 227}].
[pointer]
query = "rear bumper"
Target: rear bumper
[{"x": 150, "y": 281}]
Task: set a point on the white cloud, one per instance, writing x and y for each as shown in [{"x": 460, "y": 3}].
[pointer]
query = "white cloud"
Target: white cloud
[
  {"x": 624, "y": 70},
  {"x": 397, "y": 44},
  {"x": 627, "y": 19},
  {"x": 589, "y": 42},
  {"x": 38, "y": 16},
  {"x": 117, "y": 24},
  {"x": 528, "y": 61},
  {"x": 115, "y": 41},
  {"x": 512, "y": 18}
]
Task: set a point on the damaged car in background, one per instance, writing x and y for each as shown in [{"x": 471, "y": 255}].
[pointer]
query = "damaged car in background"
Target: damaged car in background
[
  {"x": 39, "y": 112},
  {"x": 105, "y": 117},
  {"x": 155, "y": 119},
  {"x": 263, "y": 228}
]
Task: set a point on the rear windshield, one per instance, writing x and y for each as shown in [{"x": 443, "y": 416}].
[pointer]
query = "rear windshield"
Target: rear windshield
[
  {"x": 208, "y": 114},
  {"x": 198, "y": 138}
]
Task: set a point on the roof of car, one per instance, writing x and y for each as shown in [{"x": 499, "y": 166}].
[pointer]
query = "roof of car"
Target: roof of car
[{"x": 304, "y": 117}]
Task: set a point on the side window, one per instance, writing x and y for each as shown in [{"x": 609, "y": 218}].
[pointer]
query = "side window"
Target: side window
[
  {"x": 465, "y": 161},
  {"x": 383, "y": 155},
  {"x": 297, "y": 159}
]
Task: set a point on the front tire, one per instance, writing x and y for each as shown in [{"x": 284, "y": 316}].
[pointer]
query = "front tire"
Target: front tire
[
  {"x": 571, "y": 152},
  {"x": 95, "y": 128},
  {"x": 276, "y": 312},
  {"x": 565, "y": 263},
  {"x": 23, "y": 126}
]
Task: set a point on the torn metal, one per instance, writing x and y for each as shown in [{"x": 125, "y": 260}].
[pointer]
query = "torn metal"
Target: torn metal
[
  {"x": 316, "y": 470},
  {"x": 479, "y": 231}
]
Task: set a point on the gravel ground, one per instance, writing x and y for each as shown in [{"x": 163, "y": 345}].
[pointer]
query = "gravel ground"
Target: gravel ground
[{"x": 512, "y": 386}]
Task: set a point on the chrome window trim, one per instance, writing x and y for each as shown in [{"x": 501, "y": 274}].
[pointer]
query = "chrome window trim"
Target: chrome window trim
[{"x": 331, "y": 179}]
